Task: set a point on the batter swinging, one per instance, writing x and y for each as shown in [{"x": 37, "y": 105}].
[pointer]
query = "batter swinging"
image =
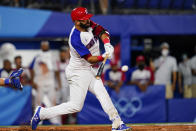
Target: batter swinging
[{"x": 84, "y": 51}]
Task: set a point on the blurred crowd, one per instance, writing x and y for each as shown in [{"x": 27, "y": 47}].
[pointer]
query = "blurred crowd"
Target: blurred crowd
[
  {"x": 109, "y": 6},
  {"x": 46, "y": 75},
  {"x": 163, "y": 70}
]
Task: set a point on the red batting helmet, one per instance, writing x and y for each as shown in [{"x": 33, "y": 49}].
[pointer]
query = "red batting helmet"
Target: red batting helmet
[{"x": 80, "y": 13}]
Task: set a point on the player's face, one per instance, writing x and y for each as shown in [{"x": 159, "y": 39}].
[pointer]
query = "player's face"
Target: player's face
[
  {"x": 45, "y": 47},
  {"x": 114, "y": 68},
  {"x": 141, "y": 65},
  {"x": 18, "y": 62},
  {"x": 7, "y": 65},
  {"x": 84, "y": 24},
  {"x": 63, "y": 56}
]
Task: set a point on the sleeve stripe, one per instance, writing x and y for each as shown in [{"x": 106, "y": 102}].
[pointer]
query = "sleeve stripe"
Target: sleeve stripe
[{"x": 90, "y": 44}]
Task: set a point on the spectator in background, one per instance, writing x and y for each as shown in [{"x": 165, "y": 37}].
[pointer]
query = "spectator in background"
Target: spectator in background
[
  {"x": 26, "y": 73},
  {"x": 165, "y": 67},
  {"x": 43, "y": 77},
  {"x": 114, "y": 77},
  {"x": 6, "y": 71},
  {"x": 141, "y": 76},
  {"x": 193, "y": 70},
  {"x": 18, "y": 62},
  {"x": 104, "y": 6},
  {"x": 184, "y": 77}
]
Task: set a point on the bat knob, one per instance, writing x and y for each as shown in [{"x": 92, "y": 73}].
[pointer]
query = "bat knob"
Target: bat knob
[{"x": 97, "y": 77}]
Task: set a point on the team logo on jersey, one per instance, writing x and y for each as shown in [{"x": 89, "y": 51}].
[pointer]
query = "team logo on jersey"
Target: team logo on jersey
[
  {"x": 86, "y": 11},
  {"x": 128, "y": 107},
  {"x": 90, "y": 44}
]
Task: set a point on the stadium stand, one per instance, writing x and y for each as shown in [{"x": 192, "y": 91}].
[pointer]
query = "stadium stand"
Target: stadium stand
[{"x": 116, "y": 6}]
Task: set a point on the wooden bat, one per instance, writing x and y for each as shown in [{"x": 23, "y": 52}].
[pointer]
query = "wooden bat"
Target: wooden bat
[{"x": 100, "y": 70}]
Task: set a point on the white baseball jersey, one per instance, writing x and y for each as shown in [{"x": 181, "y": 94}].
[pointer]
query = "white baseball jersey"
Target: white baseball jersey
[
  {"x": 4, "y": 73},
  {"x": 142, "y": 76},
  {"x": 185, "y": 70},
  {"x": 115, "y": 76},
  {"x": 81, "y": 44},
  {"x": 193, "y": 66},
  {"x": 46, "y": 58},
  {"x": 165, "y": 66}
]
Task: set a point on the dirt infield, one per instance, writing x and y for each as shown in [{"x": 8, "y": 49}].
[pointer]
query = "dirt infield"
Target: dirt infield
[{"x": 162, "y": 127}]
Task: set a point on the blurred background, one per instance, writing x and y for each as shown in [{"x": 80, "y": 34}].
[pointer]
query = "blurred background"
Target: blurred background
[{"x": 156, "y": 39}]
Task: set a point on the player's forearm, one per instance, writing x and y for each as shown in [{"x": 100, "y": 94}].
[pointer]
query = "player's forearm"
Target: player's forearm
[
  {"x": 152, "y": 66},
  {"x": 4, "y": 81},
  {"x": 94, "y": 59},
  {"x": 104, "y": 36}
]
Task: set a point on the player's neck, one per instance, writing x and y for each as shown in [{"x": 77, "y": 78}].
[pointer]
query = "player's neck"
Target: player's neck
[{"x": 80, "y": 28}]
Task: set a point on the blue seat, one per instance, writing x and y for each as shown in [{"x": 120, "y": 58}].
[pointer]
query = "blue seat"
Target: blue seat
[
  {"x": 88, "y": 1},
  {"x": 71, "y": 1},
  {"x": 165, "y": 4},
  {"x": 128, "y": 3},
  {"x": 188, "y": 4},
  {"x": 178, "y": 4},
  {"x": 154, "y": 4},
  {"x": 142, "y": 3},
  {"x": 75, "y": 2}
]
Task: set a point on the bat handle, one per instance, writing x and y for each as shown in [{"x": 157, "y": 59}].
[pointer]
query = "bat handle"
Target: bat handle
[
  {"x": 100, "y": 71},
  {"x": 106, "y": 57}
]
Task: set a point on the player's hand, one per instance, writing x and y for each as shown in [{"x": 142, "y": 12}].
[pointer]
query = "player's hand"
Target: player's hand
[
  {"x": 109, "y": 49},
  {"x": 15, "y": 79},
  {"x": 106, "y": 53}
]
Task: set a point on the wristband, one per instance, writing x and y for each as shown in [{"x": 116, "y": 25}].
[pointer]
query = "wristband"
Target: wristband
[
  {"x": 7, "y": 81},
  {"x": 100, "y": 58},
  {"x": 106, "y": 40}
]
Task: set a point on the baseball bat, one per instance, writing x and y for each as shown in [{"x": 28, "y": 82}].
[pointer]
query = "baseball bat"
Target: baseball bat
[{"x": 100, "y": 70}]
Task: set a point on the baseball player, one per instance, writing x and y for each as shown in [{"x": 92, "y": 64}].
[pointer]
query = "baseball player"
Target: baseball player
[
  {"x": 42, "y": 69},
  {"x": 42, "y": 66},
  {"x": 84, "y": 51},
  {"x": 13, "y": 80}
]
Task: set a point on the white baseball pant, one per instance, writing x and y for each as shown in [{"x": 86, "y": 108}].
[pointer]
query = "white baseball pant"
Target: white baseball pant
[{"x": 80, "y": 81}]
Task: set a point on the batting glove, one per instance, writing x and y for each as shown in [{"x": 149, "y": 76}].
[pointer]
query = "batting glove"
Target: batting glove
[
  {"x": 109, "y": 49},
  {"x": 104, "y": 55},
  {"x": 15, "y": 79}
]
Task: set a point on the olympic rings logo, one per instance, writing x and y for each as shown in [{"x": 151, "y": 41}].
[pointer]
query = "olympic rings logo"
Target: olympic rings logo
[{"x": 128, "y": 107}]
